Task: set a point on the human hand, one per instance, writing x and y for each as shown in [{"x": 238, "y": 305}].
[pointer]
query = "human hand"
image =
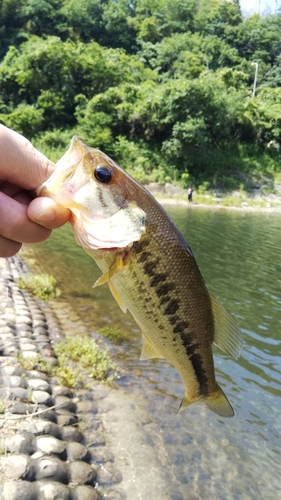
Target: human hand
[{"x": 22, "y": 219}]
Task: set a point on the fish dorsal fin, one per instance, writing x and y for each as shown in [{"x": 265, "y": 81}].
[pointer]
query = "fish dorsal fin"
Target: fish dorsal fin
[
  {"x": 115, "y": 267},
  {"x": 148, "y": 351},
  {"x": 117, "y": 297},
  {"x": 228, "y": 336}
]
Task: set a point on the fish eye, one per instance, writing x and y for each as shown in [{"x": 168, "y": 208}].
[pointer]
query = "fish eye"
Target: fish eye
[{"x": 103, "y": 174}]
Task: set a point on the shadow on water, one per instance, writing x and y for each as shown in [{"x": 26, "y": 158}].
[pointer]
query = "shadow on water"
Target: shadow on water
[{"x": 239, "y": 256}]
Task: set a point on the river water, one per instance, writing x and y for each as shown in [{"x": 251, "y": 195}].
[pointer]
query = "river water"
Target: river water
[{"x": 206, "y": 457}]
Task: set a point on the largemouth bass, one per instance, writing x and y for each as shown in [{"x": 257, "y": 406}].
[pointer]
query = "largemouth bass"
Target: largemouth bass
[{"x": 149, "y": 267}]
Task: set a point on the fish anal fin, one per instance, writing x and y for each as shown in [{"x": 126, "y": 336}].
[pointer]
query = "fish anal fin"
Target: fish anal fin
[
  {"x": 148, "y": 351},
  {"x": 228, "y": 335},
  {"x": 118, "y": 263},
  {"x": 117, "y": 297},
  {"x": 219, "y": 404}
]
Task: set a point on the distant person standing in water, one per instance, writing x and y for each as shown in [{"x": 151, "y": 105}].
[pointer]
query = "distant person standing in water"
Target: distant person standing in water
[{"x": 189, "y": 193}]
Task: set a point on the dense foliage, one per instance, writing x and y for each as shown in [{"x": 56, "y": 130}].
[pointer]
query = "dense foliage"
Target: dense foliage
[{"x": 163, "y": 86}]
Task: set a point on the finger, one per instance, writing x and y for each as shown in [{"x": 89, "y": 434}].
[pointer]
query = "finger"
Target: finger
[
  {"x": 15, "y": 224},
  {"x": 20, "y": 163},
  {"x": 48, "y": 213},
  {"x": 8, "y": 248}
]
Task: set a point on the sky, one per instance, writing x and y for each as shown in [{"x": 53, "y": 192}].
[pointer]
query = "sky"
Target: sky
[{"x": 250, "y": 6}]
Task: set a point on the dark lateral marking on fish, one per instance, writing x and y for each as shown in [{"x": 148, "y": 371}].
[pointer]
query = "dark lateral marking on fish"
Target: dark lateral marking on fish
[
  {"x": 172, "y": 307},
  {"x": 181, "y": 327},
  {"x": 193, "y": 355},
  {"x": 164, "y": 300},
  {"x": 139, "y": 246},
  {"x": 149, "y": 267},
  {"x": 164, "y": 289},
  {"x": 158, "y": 278},
  {"x": 173, "y": 319},
  {"x": 144, "y": 256}
]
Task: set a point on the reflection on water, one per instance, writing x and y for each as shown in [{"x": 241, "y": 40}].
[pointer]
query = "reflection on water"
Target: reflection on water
[{"x": 209, "y": 458}]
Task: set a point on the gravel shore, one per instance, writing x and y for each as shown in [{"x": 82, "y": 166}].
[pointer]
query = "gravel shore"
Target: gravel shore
[{"x": 52, "y": 442}]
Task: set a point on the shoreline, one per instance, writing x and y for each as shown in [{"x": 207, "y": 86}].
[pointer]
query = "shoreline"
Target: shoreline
[{"x": 247, "y": 208}]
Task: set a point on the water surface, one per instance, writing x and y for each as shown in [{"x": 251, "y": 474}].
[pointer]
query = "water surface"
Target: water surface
[{"x": 207, "y": 457}]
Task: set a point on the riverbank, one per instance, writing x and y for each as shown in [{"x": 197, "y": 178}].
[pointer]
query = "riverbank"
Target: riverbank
[
  {"x": 169, "y": 194},
  {"x": 78, "y": 443}
]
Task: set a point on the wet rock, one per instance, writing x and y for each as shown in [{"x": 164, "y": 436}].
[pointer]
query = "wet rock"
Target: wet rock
[
  {"x": 96, "y": 439},
  {"x": 17, "y": 467},
  {"x": 61, "y": 390},
  {"x": 107, "y": 474},
  {"x": 50, "y": 445},
  {"x": 53, "y": 491},
  {"x": 51, "y": 468},
  {"x": 100, "y": 455},
  {"x": 69, "y": 433},
  {"x": 21, "y": 443},
  {"x": 66, "y": 418},
  {"x": 76, "y": 451},
  {"x": 66, "y": 403},
  {"x": 83, "y": 492},
  {"x": 20, "y": 490},
  {"x": 81, "y": 473},
  {"x": 39, "y": 427},
  {"x": 86, "y": 406}
]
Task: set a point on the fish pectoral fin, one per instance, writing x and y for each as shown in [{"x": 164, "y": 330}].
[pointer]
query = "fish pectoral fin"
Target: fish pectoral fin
[
  {"x": 117, "y": 297},
  {"x": 228, "y": 335},
  {"x": 148, "y": 351},
  {"x": 216, "y": 402},
  {"x": 115, "y": 267}
]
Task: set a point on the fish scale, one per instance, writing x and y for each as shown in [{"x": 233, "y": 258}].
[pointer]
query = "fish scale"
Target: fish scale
[{"x": 149, "y": 267}]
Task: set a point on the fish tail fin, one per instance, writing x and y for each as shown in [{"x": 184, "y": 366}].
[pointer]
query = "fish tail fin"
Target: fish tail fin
[{"x": 216, "y": 402}]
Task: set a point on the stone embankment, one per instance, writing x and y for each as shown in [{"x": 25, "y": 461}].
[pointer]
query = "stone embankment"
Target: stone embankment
[{"x": 52, "y": 445}]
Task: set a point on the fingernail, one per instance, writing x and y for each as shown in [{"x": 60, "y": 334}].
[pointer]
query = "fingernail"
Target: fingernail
[{"x": 46, "y": 216}]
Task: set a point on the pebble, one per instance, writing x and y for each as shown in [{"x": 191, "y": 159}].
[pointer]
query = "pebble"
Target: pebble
[
  {"x": 21, "y": 443},
  {"x": 66, "y": 418},
  {"x": 53, "y": 491},
  {"x": 50, "y": 445},
  {"x": 69, "y": 433},
  {"x": 107, "y": 474},
  {"x": 17, "y": 466},
  {"x": 82, "y": 473},
  {"x": 20, "y": 490},
  {"x": 66, "y": 403},
  {"x": 84, "y": 492},
  {"x": 42, "y": 397},
  {"x": 77, "y": 451},
  {"x": 39, "y": 384},
  {"x": 51, "y": 467}
]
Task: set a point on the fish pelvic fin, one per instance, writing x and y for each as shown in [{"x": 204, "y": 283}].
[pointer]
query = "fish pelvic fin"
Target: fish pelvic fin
[
  {"x": 228, "y": 335},
  {"x": 217, "y": 402},
  {"x": 119, "y": 262},
  {"x": 148, "y": 351}
]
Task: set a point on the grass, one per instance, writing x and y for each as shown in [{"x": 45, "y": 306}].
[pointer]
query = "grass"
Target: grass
[
  {"x": 112, "y": 334},
  {"x": 40, "y": 285},
  {"x": 77, "y": 356}
]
